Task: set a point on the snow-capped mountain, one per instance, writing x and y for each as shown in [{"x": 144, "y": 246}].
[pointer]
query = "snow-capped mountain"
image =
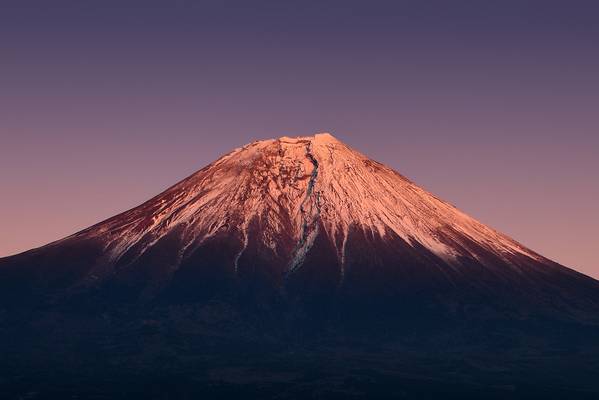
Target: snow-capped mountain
[
  {"x": 302, "y": 217},
  {"x": 290, "y": 267}
]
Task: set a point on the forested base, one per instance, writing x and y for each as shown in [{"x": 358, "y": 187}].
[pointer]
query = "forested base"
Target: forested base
[{"x": 210, "y": 352}]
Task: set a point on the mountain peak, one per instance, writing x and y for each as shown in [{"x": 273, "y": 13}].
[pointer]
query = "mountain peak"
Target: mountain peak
[
  {"x": 317, "y": 138},
  {"x": 325, "y": 137}
]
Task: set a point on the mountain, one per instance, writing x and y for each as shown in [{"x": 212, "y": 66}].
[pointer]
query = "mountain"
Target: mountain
[
  {"x": 304, "y": 216},
  {"x": 295, "y": 237}
]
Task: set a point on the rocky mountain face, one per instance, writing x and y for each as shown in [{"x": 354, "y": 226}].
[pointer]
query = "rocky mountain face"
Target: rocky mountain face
[{"x": 285, "y": 238}]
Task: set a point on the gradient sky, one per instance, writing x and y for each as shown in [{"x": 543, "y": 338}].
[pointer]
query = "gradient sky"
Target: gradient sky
[{"x": 491, "y": 105}]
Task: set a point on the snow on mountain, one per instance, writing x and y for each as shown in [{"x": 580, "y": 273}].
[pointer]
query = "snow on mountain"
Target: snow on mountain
[{"x": 293, "y": 184}]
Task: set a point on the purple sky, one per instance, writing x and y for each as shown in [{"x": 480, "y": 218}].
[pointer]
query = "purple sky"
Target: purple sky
[{"x": 493, "y": 107}]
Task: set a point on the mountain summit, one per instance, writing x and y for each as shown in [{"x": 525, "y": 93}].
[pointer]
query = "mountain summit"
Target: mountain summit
[{"x": 306, "y": 217}]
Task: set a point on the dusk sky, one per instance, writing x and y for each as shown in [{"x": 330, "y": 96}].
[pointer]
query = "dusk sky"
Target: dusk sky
[{"x": 490, "y": 105}]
